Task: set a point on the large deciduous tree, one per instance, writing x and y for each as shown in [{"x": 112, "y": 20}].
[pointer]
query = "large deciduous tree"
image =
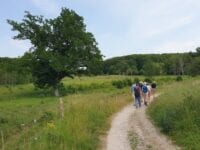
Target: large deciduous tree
[{"x": 61, "y": 46}]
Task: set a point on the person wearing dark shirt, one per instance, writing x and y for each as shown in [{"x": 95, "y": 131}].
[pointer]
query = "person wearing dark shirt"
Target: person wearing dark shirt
[
  {"x": 153, "y": 89},
  {"x": 137, "y": 94}
]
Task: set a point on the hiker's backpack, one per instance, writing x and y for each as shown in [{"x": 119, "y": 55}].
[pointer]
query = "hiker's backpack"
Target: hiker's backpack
[
  {"x": 137, "y": 91},
  {"x": 144, "y": 89}
]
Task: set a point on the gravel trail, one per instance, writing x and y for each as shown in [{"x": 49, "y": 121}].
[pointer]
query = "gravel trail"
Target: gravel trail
[{"x": 134, "y": 121}]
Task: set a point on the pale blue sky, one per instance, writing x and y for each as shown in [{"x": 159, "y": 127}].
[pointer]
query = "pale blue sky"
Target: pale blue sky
[{"x": 121, "y": 27}]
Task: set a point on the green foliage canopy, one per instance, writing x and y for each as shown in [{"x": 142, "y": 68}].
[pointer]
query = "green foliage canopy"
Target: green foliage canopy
[
  {"x": 154, "y": 64},
  {"x": 61, "y": 46}
]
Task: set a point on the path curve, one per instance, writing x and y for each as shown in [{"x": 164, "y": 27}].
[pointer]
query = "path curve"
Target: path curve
[{"x": 135, "y": 121}]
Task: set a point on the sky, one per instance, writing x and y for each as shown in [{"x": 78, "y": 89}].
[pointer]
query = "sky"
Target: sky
[{"x": 121, "y": 27}]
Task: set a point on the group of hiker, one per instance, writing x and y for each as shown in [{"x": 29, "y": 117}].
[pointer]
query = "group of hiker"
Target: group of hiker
[{"x": 142, "y": 92}]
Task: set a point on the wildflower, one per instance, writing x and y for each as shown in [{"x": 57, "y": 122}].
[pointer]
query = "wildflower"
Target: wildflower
[{"x": 51, "y": 125}]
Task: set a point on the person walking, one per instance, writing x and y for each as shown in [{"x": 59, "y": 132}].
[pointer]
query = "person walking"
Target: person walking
[
  {"x": 137, "y": 94},
  {"x": 149, "y": 92},
  {"x": 153, "y": 89},
  {"x": 145, "y": 93},
  {"x": 142, "y": 95},
  {"x": 133, "y": 92}
]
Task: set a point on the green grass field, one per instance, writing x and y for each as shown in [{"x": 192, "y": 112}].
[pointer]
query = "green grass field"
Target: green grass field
[
  {"x": 177, "y": 112},
  {"x": 30, "y": 118}
]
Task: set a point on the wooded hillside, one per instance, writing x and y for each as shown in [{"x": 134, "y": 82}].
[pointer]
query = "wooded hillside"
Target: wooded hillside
[{"x": 154, "y": 64}]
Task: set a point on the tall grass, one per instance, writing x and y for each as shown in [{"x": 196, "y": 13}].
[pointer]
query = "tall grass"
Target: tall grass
[
  {"x": 177, "y": 112},
  {"x": 31, "y": 120}
]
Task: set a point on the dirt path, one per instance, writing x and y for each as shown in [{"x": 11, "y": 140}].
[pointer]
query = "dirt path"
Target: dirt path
[
  {"x": 147, "y": 136},
  {"x": 117, "y": 138},
  {"x": 131, "y": 129}
]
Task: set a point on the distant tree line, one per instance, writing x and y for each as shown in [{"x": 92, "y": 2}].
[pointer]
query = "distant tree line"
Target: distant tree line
[
  {"x": 14, "y": 71},
  {"x": 19, "y": 70},
  {"x": 154, "y": 64}
]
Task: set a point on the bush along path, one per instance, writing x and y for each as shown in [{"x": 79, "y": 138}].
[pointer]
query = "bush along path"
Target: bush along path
[{"x": 131, "y": 129}]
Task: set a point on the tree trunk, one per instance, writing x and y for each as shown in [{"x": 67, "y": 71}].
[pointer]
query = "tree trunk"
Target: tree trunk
[
  {"x": 61, "y": 104},
  {"x": 56, "y": 92}
]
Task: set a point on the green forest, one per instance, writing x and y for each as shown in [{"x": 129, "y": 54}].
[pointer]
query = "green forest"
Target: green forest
[
  {"x": 154, "y": 64},
  {"x": 18, "y": 70}
]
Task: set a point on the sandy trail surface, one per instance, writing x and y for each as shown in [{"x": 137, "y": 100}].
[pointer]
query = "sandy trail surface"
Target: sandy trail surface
[
  {"x": 117, "y": 138},
  {"x": 132, "y": 121}
]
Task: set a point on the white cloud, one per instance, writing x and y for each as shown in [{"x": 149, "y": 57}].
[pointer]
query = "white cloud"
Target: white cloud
[{"x": 47, "y": 6}]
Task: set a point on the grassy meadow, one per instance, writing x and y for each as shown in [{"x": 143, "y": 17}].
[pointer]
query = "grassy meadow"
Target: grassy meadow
[
  {"x": 30, "y": 118},
  {"x": 177, "y": 112}
]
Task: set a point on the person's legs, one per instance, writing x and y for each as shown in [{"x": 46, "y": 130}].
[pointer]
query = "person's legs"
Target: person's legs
[
  {"x": 136, "y": 102},
  {"x": 139, "y": 101},
  {"x": 149, "y": 96},
  {"x": 145, "y": 98},
  {"x": 142, "y": 97},
  {"x": 153, "y": 92}
]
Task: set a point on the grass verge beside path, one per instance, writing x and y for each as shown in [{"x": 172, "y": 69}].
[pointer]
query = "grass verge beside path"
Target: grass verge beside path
[
  {"x": 177, "y": 112},
  {"x": 29, "y": 121}
]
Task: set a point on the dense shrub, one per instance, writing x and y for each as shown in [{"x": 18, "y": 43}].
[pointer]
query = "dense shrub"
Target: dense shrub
[
  {"x": 127, "y": 82},
  {"x": 179, "y": 78},
  {"x": 148, "y": 80},
  {"x": 136, "y": 80},
  {"x": 118, "y": 84},
  {"x": 122, "y": 83}
]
